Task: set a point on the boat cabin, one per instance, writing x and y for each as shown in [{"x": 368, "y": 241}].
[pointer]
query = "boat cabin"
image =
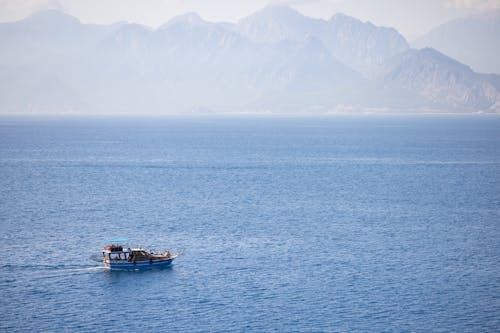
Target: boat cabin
[{"x": 117, "y": 252}]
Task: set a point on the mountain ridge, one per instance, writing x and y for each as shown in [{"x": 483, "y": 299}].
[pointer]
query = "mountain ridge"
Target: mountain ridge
[
  {"x": 463, "y": 37},
  {"x": 189, "y": 63}
]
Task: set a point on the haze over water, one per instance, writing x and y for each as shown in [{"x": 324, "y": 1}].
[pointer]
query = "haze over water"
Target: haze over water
[{"x": 325, "y": 224}]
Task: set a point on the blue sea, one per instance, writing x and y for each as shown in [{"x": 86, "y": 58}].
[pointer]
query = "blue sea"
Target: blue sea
[{"x": 283, "y": 224}]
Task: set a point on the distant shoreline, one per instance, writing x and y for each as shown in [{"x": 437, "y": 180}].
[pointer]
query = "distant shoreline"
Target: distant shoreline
[{"x": 239, "y": 114}]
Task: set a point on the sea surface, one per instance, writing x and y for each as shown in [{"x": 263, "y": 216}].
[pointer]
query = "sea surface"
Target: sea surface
[{"x": 283, "y": 224}]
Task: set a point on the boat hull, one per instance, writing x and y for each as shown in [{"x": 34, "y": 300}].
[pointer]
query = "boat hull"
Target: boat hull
[{"x": 138, "y": 264}]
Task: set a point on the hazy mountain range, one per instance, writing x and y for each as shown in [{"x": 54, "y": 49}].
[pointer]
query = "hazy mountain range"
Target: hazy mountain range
[
  {"x": 473, "y": 40},
  {"x": 274, "y": 60}
]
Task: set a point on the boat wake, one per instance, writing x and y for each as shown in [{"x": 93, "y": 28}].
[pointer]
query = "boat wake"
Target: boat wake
[
  {"x": 19, "y": 272},
  {"x": 83, "y": 269}
]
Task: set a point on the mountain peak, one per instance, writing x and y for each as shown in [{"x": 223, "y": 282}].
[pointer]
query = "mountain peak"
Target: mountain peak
[
  {"x": 472, "y": 40},
  {"x": 344, "y": 18},
  {"x": 51, "y": 17},
  {"x": 436, "y": 56},
  {"x": 277, "y": 22},
  {"x": 191, "y": 19},
  {"x": 441, "y": 80},
  {"x": 277, "y": 12}
]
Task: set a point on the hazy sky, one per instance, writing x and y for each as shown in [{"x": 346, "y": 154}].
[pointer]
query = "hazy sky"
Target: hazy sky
[{"x": 411, "y": 17}]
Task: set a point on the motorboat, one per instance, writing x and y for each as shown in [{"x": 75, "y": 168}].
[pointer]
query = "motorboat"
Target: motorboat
[{"x": 118, "y": 255}]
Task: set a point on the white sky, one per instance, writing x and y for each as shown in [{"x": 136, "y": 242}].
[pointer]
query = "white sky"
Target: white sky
[{"x": 410, "y": 17}]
